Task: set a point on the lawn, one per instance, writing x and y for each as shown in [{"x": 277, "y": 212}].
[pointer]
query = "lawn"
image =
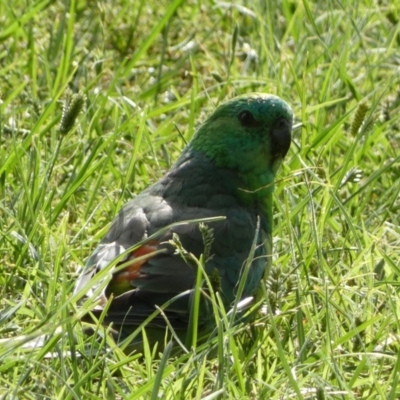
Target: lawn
[{"x": 143, "y": 75}]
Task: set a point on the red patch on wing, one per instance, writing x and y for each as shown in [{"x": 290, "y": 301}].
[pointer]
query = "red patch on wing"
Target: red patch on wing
[{"x": 138, "y": 258}]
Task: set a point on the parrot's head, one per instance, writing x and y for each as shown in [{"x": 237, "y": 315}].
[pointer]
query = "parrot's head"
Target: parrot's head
[{"x": 249, "y": 134}]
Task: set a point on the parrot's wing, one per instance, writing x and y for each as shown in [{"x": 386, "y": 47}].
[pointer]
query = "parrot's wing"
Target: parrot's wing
[
  {"x": 150, "y": 274},
  {"x": 149, "y": 271}
]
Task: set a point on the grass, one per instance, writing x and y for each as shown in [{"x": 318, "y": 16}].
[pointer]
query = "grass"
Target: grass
[{"x": 150, "y": 71}]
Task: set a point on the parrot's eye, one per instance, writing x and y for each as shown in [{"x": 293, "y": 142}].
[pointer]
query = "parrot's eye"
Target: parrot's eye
[{"x": 247, "y": 120}]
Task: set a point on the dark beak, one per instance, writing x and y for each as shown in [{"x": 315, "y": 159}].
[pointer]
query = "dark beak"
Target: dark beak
[{"x": 281, "y": 137}]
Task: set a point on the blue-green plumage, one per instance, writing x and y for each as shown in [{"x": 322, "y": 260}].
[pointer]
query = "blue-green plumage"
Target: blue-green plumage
[{"x": 227, "y": 170}]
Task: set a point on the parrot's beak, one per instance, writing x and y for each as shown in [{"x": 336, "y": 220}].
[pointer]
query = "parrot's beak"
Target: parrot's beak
[{"x": 281, "y": 137}]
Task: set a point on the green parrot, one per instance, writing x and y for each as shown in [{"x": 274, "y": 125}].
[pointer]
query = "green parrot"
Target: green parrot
[{"x": 226, "y": 170}]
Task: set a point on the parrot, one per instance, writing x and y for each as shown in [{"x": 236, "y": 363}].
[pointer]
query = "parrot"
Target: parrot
[{"x": 225, "y": 175}]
